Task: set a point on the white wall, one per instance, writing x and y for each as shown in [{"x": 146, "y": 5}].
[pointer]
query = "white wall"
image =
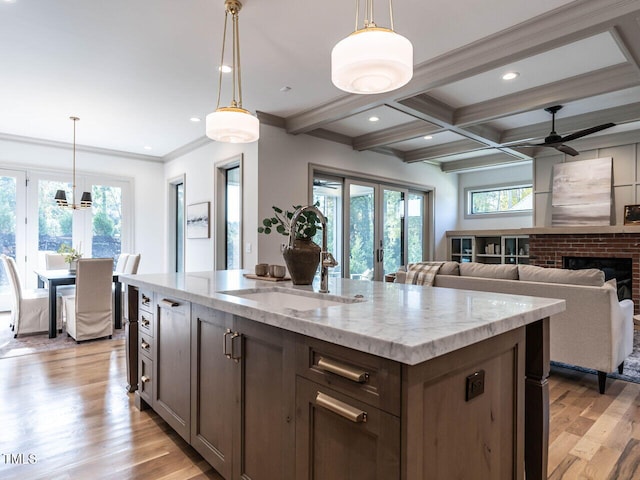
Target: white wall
[
  {"x": 513, "y": 175},
  {"x": 198, "y": 167},
  {"x": 283, "y": 170},
  {"x": 145, "y": 177}
]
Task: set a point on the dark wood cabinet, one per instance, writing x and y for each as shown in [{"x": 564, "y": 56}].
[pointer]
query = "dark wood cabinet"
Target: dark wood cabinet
[
  {"x": 172, "y": 364},
  {"x": 213, "y": 388},
  {"x": 341, "y": 438},
  {"x": 242, "y": 406}
]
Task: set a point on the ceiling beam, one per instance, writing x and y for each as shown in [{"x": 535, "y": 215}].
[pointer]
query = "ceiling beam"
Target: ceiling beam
[
  {"x": 487, "y": 161},
  {"x": 443, "y": 150},
  {"x": 395, "y": 134},
  {"x": 558, "y": 27},
  {"x": 617, "y": 77}
]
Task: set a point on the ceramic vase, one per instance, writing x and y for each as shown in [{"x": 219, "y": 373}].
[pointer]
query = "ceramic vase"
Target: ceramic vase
[{"x": 302, "y": 260}]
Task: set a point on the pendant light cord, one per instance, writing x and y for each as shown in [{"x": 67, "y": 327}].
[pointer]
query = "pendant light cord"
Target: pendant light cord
[
  {"x": 224, "y": 38},
  {"x": 236, "y": 58},
  {"x": 73, "y": 188},
  {"x": 368, "y": 14},
  {"x": 236, "y": 81}
]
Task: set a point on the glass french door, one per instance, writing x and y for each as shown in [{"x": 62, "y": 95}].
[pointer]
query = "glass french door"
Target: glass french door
[
  {"x": 96, "y": 232},
  {"x": 12, "y": 227},
  {"x": 385, "y": 226}
]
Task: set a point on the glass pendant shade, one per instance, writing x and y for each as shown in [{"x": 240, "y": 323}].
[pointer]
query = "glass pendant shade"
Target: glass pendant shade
[
  {"x": 372, "y": 60},
  {"x": 232, "y": 125}
]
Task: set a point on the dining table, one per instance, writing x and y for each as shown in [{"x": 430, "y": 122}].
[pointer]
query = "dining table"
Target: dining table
[{"x": 55, "y": 278}]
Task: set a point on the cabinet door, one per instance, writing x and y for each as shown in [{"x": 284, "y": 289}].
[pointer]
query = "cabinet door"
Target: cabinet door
[
  {"x": 264, "y": 448},
  {"x": 172, "y": 364},
  {"x": 340, "y": 438},
  {"x": 212, "y": 387}
]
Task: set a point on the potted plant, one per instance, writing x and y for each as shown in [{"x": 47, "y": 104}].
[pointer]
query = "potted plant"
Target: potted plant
[
  {"x": 71, "y": 256},
  {"x": 303, "y": 258}
]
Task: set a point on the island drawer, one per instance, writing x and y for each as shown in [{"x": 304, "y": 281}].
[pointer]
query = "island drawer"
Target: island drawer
[
  {"x": 145, "y": 385},
  {"x": 145, "y": 322},
  {"x": 146, "y": 345},
  {"x": 145, "y": 301},
  {"x": 365, "y": 377}
]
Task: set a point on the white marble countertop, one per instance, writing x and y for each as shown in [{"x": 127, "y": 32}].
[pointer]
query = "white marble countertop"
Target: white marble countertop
[{"x": 406, "y": 323}]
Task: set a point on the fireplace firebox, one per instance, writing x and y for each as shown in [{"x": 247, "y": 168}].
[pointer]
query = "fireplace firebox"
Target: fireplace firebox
[{"x": 618, "y": 268}]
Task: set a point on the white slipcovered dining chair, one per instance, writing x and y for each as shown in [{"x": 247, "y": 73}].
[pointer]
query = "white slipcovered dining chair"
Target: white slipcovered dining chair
[
  {"x": 89, "y": 313},
  {"x": 132, "y": 264},
  {"x": 121, "y": 263},
  {"x": 30, "y": 308},
  {"x": 55, "y": 261}
]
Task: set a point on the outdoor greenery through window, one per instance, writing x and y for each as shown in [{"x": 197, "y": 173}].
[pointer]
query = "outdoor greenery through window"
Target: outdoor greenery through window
[{"x": 501, "y": 200}]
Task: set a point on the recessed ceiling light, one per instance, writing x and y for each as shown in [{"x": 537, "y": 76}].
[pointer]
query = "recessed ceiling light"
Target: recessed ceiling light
[
  {"x": 147, "y": 147},
  {"x": 225, "y": 69},
  {"x": 510, "y": 75},
  {"x": 9, "y": 1},
  {"x": 195, "y": 119},
  {"x": 374, "y": 119},
  {"x": 285, "y": 89},
  {"x": 427, "y": 137}
]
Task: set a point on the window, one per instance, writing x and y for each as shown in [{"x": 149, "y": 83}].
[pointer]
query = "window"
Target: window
[
  {"x": 513, "y": 199},
  {"x": 228, "y": 214},
  {"x": 179, "y": 226}
]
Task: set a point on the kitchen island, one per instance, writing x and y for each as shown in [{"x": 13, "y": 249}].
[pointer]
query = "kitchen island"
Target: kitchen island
[{"x": 374, "y": 380}]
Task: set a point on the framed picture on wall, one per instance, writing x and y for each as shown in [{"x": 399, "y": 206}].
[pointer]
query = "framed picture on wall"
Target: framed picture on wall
[
  {"x": 198, "y": 220},
  {"x": 632, "y": 214}
]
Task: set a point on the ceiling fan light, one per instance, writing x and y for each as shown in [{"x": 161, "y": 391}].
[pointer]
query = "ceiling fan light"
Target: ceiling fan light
[
  {"x": 372, "y": 60},
  {"x": 232, "y": 125}
]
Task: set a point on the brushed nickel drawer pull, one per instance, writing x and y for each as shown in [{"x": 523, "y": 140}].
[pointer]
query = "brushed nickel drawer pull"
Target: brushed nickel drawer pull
[
  {"x": 169, "y": 303},
  {"x": 343, "y": 409},
  {"x": 224, "y": 343},
  {"x": 144, "y": 345},
  {"x": 144, "y": 321},
  {"x": 145, "y": 379},
  {"x": 145, "y": 300},
  {"x": 343, "y": 370}
]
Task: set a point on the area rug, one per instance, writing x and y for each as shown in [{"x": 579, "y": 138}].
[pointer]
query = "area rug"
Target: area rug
[
  {"x": 631, "y": 372},
  {"x": 28, "y": 344}
]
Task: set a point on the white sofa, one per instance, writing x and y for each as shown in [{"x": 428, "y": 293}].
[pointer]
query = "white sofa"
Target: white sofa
[{"x": 595, "y": 331}]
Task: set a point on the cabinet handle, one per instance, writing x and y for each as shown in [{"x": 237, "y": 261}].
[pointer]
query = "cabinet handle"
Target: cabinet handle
[
  {"x": 343, "y": 409},
  {"x": 224, "y": 343},
  {"x": 144, "y": 345},
  {"x": 145, "y": 300},
  {"x": 169, "y": 303},
  {"x": 144, "y": 321},
  {"x": 233, "y": 355},
  {"x": 343, "y": 370},
  {"x": 145, "y": 379}
]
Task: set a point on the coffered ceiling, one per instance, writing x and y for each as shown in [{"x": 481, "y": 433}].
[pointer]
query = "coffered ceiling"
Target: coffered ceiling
[{"x": 136, "y": 72}]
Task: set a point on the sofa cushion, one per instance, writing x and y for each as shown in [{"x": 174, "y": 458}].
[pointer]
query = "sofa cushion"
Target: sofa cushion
[
  {"x": 449, "y": 268},
  {"x": 588, "y": 276},
  {"x": 503, "y": 272}
]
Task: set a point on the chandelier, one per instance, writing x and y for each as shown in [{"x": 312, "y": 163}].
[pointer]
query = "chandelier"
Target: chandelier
[
  {"x": 372, "y": 59},
  {"x": 232, "y": 124},
  {"x": 61, "y": 196}
]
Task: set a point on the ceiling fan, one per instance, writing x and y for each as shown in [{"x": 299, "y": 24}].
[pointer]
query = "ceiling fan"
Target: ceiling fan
[{"x": 556, "y": 141}]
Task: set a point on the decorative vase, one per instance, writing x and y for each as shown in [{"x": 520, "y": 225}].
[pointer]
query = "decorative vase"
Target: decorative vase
[
  {"x": 302, "y": 260},
  {"x": 73, "y": 264}
]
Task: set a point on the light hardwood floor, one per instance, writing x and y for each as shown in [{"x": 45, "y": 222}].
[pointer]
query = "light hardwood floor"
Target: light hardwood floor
[{"x": 68, "y": 413}]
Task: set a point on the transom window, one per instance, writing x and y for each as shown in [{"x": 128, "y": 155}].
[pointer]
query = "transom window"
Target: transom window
[{"x": 503, "y": 200}]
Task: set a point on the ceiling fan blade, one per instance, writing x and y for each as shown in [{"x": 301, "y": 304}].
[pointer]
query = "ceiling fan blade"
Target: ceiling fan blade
[
  {"x": 587, "y": 131},
  {"x": 566, "y": 149}
]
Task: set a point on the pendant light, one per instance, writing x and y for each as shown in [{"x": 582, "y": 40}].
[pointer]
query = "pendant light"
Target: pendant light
[
  {"x": 232, "y": 124},
  {"x": 372, "y": 59},
  {"x": 61, "y": 196}
]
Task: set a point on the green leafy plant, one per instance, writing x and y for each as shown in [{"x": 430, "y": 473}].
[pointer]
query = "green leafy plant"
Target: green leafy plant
[
  {"x": 70, "y": 254},
  {"x": 306, "y": 227}
]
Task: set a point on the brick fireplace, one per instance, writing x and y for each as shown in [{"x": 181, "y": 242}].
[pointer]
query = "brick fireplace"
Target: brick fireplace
[{"x": 549, "y": 249}]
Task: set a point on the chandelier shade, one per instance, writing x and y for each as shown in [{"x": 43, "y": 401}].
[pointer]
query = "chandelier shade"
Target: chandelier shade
[
  {"x": 61, "y": 196},
  {"x": 372, "y": 59},
  {"x": 232, "y": 124}
]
